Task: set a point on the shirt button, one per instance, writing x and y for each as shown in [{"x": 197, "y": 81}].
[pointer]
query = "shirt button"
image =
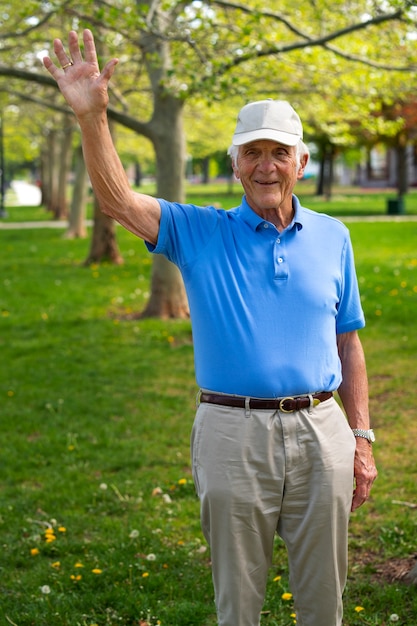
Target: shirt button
[
  {"x": 278, "y": 240},
  {"x": 266, "y": 225},
  {"x": 280, "y": 260}
]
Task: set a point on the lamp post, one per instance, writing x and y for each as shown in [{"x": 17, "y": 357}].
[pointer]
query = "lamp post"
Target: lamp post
[{"x": 3, "y": 212}]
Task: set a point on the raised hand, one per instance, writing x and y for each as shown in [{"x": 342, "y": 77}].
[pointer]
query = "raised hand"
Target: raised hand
[{"x": 82, "y": 84}]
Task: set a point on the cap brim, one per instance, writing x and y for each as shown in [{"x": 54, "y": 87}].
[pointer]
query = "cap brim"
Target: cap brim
[{"x": 287, "y": 139}]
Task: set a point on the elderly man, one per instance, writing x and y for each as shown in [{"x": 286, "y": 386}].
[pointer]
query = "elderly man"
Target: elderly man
[{"x": 275, "y": 311}]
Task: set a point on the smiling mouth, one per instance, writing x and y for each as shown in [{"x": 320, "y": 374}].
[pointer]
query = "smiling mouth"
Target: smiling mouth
[{"x": 266, "y": 183}]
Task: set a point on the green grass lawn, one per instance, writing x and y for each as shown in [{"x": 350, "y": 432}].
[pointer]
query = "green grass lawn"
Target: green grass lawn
[{"x": 99, "y": 519}]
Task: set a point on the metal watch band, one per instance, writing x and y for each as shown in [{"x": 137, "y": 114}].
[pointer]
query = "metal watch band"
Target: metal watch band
[{"x": 366, "y": 434}]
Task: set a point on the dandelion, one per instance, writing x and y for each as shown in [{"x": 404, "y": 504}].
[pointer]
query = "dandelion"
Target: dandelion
[
  {"x": 45, "y": 589},
  {"x": 34, "y": 551},
  {"x": 103, "y": 486},
  {"x": 358, "y": 609},
  {"x": 277, "y": 579},
  {"x": 50, "y": 535},
  {"x": 76, "y": 578},
  {"x": 182, "y": 481},
  {"x": 166, "y": 498},
  {"x": 134, "y": 534},
  {"x": 145, "y": 574},
  {"x": 151, "y": 557},
  {"x": 62, "y": 529},
  {"x": 286, "y": 596},
  {"x": 56, "y": 565},
  {"x": 96, "y": 570},
  {"x": 78, "y": 564},
  {"x": 394, "y": 617},
  {"x": 157, "y": 491}
]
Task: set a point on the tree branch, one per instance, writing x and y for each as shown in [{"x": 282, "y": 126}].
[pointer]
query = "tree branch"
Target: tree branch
[
  {"x": 308, "y": 41},
  {"x": 124, "y": 119}
]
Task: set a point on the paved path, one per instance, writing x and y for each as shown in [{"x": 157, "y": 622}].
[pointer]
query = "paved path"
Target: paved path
[
  {"x": 39, "y": 224},
  {"x": 64, "y": 224}
]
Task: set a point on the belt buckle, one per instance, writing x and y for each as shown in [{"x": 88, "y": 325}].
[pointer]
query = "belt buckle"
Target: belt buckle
[{"x": 281, "y": 405}]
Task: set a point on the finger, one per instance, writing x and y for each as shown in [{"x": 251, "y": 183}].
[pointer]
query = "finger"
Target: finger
[
  {"x": 109, "y": 68},
  {"x": 357, "y": 501},
  {"x": 60, "y": 53},
  {"x": 90, "y": 52},
  {"x": 74, "y": 48},
  {"x": 51, "y": 67}
]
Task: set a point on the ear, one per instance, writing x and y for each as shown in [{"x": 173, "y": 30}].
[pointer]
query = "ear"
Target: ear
[
  {"x": 235, "y": 170},
  {"x": 303, "y": 165}
]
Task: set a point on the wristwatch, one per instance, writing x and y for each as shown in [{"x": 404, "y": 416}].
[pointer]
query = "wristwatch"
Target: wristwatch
[{"x": 366, "y": 434}]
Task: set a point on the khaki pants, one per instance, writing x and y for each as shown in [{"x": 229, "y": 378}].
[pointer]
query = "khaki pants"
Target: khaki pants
[{"x": 261, "y": 472}]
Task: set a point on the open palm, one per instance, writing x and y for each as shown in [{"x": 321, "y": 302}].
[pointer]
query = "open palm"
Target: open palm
[{"x": 82, "y": 84}]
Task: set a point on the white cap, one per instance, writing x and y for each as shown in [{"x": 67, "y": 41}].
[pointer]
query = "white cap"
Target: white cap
[{"x": 275, "y": 120}]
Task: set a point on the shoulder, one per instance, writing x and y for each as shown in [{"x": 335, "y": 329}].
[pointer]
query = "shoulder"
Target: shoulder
[{"x": 322, "y": 220}]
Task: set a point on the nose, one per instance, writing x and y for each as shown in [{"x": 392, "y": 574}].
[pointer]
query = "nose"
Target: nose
[{"x": 266, "y": 163}]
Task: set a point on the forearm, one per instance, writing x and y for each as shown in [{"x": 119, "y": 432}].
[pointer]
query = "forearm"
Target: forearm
[
  {"x": 353, "y": 391},
  {"x": 107, "y": 175},
  {"x": 85, "y": 89},
  {"x": 137, "y": 212}
]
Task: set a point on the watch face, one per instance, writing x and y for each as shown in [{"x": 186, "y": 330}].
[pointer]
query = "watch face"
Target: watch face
[{"x": 371, "y": 436}]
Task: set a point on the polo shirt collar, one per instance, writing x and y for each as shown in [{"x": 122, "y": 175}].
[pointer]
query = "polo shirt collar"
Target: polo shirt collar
[{"x": 254, "y": 220}]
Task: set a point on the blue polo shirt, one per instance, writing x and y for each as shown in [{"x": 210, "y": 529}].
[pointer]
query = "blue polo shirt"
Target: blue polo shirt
[{"x": 265, "y": 305}]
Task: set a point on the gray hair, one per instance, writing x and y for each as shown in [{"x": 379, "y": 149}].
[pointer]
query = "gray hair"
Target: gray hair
[{"x": 301, "y": 150}]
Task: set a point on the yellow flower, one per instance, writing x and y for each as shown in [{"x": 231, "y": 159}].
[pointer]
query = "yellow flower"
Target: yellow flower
[
  {"x": 145, "y": 574},
  {"x": 277, "y": 578},
  {"x": 182, "y": 481},
  {"x": 62, "y": 529},
  {"x": 34, "y": 551},
  {"x": 76, "y": 578},
  {"x": 358, "y": 609},
  {"x": 50, "y": 537},
  {"x": 78, "y": 564},
  {"x": 286, "y": 596},
  {"x": 56, "y": 565},
  {"x": 96, "y": 570}
]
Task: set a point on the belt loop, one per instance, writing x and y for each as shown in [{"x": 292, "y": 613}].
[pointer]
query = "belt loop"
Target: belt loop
[
  {"x": 312, "y": 405},
  {"x": 247, "y": 406},
  {"x": 197, "y": 398}
]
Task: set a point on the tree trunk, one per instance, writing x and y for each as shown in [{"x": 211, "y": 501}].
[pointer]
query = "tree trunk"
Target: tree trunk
[
  {"x": 325, "y": 178},
  {"x": 168, "y": 297},
  {"x": 76, "y": 223},
  {"x": 402, "y": 165},
  {"x": 53, "y": 173},
  {"x": 65, "y": 153},
  {"x": 103, "y": 242}
]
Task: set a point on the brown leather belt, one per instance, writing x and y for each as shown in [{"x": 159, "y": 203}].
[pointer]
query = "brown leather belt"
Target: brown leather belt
[{"x": 285, "y": 405}]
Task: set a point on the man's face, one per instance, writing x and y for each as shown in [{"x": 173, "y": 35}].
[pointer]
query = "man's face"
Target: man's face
[{"x": 268, "y": 172}]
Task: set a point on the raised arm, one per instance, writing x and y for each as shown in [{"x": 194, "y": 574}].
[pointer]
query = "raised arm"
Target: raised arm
[
  {"x": 354, "y": 395},
  {"x": 85, "y": 89}
]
